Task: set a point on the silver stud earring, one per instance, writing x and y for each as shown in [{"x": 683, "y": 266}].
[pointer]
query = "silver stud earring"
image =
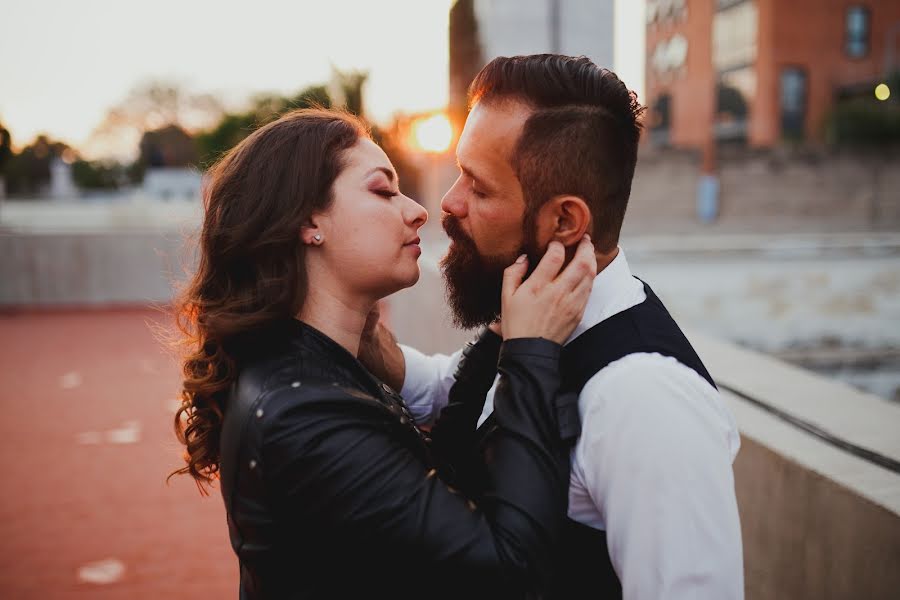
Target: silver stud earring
[{"x": 317, "y": 237}]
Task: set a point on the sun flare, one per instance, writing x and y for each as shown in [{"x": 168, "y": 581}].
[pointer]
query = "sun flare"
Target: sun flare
[{"x": 432, "y": 134}]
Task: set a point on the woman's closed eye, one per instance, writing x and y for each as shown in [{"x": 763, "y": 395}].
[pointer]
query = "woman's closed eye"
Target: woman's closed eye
[{"x": 386, "y": 193}]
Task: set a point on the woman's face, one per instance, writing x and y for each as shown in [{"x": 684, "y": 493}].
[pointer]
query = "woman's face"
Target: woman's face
[{"x": 370, "y": 231}]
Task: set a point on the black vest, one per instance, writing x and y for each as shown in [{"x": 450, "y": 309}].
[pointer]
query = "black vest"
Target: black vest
[{"x": 584, "y": 564}]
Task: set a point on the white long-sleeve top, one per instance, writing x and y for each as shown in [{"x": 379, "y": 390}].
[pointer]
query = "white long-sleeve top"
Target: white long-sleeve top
[{"x": 653, "y": 464}]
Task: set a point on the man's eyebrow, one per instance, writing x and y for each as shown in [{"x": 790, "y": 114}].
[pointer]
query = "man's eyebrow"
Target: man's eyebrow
[{"x": 471, "y": 174}]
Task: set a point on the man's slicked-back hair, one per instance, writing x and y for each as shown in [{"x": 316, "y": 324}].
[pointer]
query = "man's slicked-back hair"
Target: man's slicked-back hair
[{"x": 588, "y": 117}]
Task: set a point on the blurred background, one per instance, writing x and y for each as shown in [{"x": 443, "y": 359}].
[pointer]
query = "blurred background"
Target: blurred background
[{"x": 765, "y": 212}]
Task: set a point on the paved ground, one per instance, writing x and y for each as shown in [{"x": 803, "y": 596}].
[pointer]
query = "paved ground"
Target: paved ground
[{"x": 87, "y": 439}]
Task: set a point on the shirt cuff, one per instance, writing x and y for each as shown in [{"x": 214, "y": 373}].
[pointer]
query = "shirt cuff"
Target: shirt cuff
[{"x": 427, "y": 382}]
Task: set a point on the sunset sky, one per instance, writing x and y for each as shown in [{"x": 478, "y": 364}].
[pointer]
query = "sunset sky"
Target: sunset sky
[{"x": 66, "y": 62}]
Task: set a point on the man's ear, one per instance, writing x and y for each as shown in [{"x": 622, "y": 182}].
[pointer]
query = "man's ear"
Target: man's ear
[{"x": 565, "y": 219}]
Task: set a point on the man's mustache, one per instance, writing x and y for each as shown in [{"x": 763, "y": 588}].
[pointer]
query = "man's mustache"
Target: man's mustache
[{"x": 454, "y": 230}]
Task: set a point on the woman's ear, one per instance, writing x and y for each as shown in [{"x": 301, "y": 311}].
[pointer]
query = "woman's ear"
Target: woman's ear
[
  {"x": 565, "y": 219},
  {"x": 311, "y": 233}
]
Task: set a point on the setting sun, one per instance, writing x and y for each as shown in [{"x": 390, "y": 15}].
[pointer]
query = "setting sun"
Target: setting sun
[{"x": 432, "y": 134}]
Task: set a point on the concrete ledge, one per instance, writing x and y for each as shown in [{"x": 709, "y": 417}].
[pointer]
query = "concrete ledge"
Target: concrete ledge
[
  {"x": 90, "y": 268},
  {"x": 807, "y": 536},
  {"x": 859, "y": 418},
  {"x": 817, "y": 521}
]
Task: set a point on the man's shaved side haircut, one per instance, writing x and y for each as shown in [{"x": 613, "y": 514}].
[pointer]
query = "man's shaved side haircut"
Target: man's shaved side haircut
[{"x": 581, "y": 137}]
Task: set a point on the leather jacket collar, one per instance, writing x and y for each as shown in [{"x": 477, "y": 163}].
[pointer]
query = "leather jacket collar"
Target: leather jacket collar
[{"x": 315, "y": 354}]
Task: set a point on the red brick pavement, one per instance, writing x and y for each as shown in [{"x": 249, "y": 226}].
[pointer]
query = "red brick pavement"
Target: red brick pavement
[{"x": 69, "y": 377}]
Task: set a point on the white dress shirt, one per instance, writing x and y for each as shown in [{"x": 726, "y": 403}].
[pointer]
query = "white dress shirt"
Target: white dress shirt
[{"x": 652, "y": 466}]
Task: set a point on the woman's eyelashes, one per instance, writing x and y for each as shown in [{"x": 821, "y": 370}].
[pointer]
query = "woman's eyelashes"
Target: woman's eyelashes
[{"x": 386, "y": 193}]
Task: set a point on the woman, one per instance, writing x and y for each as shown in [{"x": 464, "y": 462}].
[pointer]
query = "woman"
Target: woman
[{"x": 330, "y": 489}]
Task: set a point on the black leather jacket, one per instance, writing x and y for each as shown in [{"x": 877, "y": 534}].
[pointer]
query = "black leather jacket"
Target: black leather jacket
[{"x": 332, "y": 492}]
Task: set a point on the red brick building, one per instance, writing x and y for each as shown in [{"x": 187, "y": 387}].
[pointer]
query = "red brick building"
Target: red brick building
[{"x": 760, "y": 71}]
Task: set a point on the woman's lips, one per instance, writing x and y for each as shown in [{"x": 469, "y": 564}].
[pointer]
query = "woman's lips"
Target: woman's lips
[{"x": 415, "y": 246}]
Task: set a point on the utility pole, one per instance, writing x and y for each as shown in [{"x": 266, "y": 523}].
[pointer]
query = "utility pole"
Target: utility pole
[{"x": 708, "y": 183}]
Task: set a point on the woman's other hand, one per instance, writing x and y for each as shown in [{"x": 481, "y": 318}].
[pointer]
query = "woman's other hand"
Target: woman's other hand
[
  {"x": 550, "y": 303},
  {"x": 379, "y": 351}
]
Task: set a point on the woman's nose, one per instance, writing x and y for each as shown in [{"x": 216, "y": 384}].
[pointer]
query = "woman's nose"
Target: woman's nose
[{"x": 416, "y": 214}]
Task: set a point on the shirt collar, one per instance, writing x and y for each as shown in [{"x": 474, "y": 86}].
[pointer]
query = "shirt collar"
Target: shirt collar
[{"x": 614, "y": 289}]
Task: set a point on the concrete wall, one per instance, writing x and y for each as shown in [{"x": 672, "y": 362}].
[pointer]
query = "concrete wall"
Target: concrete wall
[
  {"x": 90, "y": 268},
  {"x": 777, "y": 191},
  {"x": 805, "y": 536},
  {"x": 817, "y": 521}
]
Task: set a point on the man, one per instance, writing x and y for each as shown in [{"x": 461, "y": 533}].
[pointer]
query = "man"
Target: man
[{"x": 548, "y": 153}]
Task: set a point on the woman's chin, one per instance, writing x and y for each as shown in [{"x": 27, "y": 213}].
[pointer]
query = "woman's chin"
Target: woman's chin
[
  {"x": 412, "y": 279},
  {"x": 401, "y": 283}
]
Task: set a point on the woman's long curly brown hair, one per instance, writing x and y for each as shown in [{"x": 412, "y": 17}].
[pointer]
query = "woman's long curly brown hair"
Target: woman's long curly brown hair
[{"x": 250, "y": 269}]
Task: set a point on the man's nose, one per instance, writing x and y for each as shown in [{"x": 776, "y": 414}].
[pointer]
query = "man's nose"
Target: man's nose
[{"x": 454, "y": 201}]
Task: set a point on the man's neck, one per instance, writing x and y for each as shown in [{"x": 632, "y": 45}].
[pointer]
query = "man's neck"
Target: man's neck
[{"x": 604, "y": 259}]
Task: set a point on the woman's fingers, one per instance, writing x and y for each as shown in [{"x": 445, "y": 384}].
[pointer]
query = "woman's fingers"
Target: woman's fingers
[
  {"x": 582, "y": 267},
  {"x": 549, "y": 267},
  {"x": 372, "y": 319},
  {"x": 580, "y": 294},
  {"x": 512, "y": 277},
  {"x": 548, "y": 304}
]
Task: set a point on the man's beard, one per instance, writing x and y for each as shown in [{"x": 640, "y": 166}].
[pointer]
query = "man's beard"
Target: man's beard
[{"x": 474, "y": 282}]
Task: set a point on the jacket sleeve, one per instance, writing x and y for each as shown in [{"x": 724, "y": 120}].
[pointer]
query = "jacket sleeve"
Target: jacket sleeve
[
  {"x": 345, "y": 472},
  {"x": 454, "y": 437}
]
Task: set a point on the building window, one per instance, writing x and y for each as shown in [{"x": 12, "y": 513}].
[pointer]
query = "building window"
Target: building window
[
  {"x": 735, "y": 33},
  {"x": 793, "y": 102},
  {"x": 661, "y": 120},
  {"x": 858, "y": 29},
  {"x": 666, "y": 11}
]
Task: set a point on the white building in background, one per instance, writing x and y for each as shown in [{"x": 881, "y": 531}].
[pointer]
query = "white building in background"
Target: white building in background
[
  {"x": 481, "y": 30},
  {"x": 62, "y": 182},
  {"x": 573, "y": 27},
  {"x": 172, "y": 184}
]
